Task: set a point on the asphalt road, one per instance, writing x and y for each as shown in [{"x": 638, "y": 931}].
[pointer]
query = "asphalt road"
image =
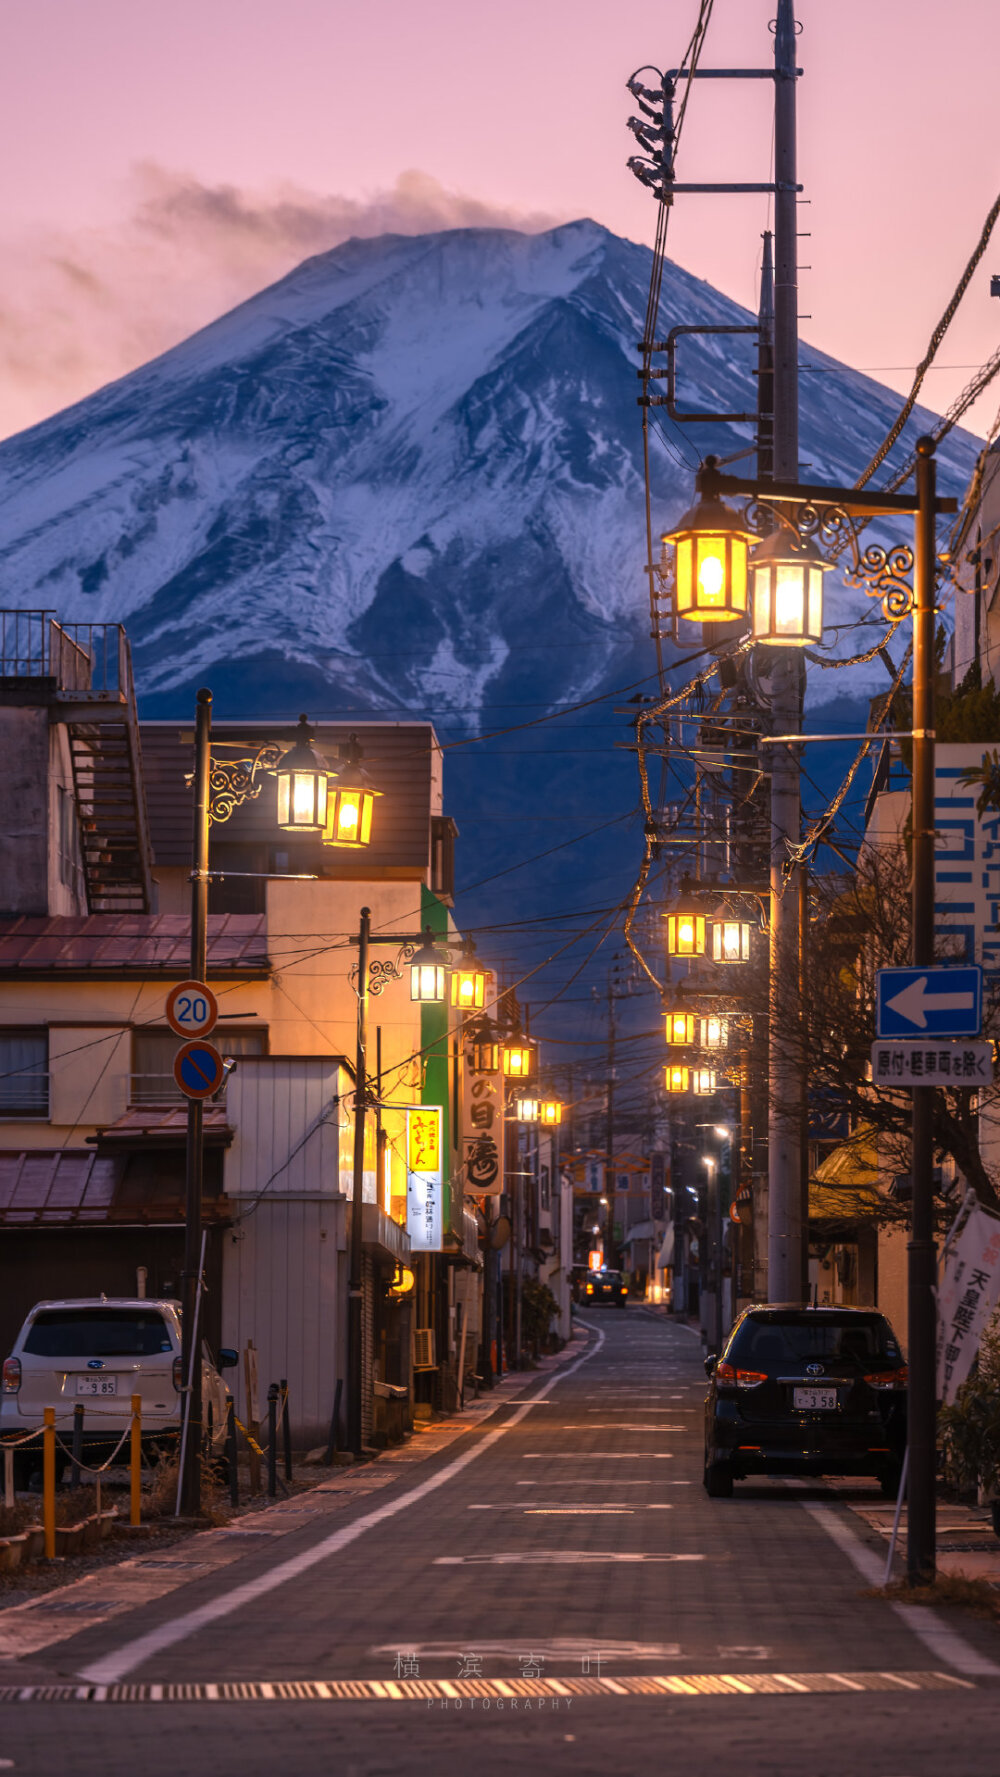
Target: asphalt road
[{"x": 547, "y": 1584}]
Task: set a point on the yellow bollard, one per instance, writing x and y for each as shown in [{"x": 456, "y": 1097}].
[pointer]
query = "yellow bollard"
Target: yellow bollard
[
  {"x": 49, "y": 1482},
  {"x": 135, "y": 1459}
]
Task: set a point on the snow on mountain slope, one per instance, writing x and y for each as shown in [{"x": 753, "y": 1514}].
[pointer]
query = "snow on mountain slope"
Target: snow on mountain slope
[{"x": 406, "y": 476}]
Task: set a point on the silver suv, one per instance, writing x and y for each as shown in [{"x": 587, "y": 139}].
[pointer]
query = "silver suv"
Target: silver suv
[{"x": 99, "y": 1352}]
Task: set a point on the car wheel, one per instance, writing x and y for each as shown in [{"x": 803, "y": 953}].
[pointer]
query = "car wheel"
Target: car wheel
[
  {"x": 718, "y": 1480},
  {"x": 889, "y": 1480}
]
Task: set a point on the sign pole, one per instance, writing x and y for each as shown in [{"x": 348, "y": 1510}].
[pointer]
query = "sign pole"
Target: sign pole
[
  {"x": 921, "y": 1336},
  {"x": 189, "y": 1493},
  {"x": 354, "y": 1299}
]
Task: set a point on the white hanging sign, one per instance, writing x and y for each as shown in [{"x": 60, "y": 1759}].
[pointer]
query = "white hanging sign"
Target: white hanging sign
[
  {"x": 424, "y": 1189},
  {"x": 968, "y": 1290}
]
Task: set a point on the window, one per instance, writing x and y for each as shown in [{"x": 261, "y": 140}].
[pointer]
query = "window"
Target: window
[
  {"x": 24, "y": 1073},
  {"x": 153, "y": 1052},
  {"x": 97, "y": 1332}
]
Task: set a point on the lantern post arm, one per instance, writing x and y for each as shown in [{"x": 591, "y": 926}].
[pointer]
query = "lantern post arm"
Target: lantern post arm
[{"x": 854, "y": 502}]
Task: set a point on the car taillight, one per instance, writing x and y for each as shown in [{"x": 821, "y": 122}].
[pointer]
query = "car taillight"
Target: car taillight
[
  {"x": 888, "y": 1378},
  {"x": 178, "y": 1373},
  {"x": 11, "y": 1375},
  {"x": 742, "y": 1378},
  {"x": 590, "y": 1289}
]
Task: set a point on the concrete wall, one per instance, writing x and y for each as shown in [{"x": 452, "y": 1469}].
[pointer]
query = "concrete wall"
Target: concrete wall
[{"x": 24, "y": 810}]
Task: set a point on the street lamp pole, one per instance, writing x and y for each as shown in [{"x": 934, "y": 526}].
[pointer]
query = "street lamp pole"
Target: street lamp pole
[
  {"x": 190, "y": 1479},
  {"x": 785, "y": 1064},
  {"x": 921, "y": 1342},
  {"x": 355, "y": 1285}
]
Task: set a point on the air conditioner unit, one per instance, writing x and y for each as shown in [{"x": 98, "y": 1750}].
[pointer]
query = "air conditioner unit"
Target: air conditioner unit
[{"x": 423, "y": 1349}]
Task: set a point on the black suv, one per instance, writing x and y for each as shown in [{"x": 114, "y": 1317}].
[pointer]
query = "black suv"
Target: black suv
[
  {"x": 607, "y": 1286},
  {"x": 806, "y": 1391}
]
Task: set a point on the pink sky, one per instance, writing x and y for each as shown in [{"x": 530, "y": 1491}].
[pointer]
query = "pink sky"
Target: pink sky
[{"x": 121, "y": 120}]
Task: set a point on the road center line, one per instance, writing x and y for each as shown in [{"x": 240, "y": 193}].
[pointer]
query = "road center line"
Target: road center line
[{"x": 112, "y": 1667}]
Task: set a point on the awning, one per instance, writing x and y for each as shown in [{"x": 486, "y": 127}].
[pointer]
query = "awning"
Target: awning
[
  {"x": 665, "y": 1256},
  {"x": 162, "y": 1126},
  {"x": 61, "y": 1187}
]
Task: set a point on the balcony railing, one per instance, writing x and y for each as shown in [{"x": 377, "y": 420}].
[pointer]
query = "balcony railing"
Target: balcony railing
[
  {"x": 91, "y": 658},
  {"x": 160, "y": 1090},
  {"x": 25, "y": 1095}
]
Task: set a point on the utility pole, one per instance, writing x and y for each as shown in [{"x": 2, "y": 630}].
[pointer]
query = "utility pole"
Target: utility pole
[
  {"x": 922, "y": 1270},
  {"x": 785, "y": 1231},
  {"x": 189, "y": 1491},
  {"x": 610, "y": 1250},
  {"x": 356, "y": 1273}
]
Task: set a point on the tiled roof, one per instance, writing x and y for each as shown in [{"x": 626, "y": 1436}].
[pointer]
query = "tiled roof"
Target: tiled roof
[
  {"x": 163, "y": 1122},
  {"x": 118, "y": 941},
  {"x": 56, "y": 1187}
]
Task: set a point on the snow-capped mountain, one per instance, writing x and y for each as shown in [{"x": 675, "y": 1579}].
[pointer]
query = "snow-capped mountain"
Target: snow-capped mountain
[
  {"x": 408, "y": 479},
  {"x": 406, "y": 476}
]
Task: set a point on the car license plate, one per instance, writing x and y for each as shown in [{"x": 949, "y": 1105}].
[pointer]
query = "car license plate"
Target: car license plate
[
  {"x": 99, "y": 1385},
  {"x": 812, "y": 1400}
]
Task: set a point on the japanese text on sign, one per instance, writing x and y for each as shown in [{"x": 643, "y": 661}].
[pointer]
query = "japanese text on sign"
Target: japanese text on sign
[
  {"x": 482, "y": 1125},
  {"x": 901, "y": 1063},
  {"x": 967, "y": 1294}
]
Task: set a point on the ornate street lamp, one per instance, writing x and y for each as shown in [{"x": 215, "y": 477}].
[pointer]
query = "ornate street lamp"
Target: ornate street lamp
[
  {"x": 676, "y": 1079},
  {"x": 786, "y": 571},
  {"x": 352, "y": 799},
  {"x": 518, "y": 1058},
  {"x": 685, "y": 933},
  {"x": 550, "y": 1112},
  {"x": 730, "y": 940},
  {"x": 302, "y": 785},
  {"x": 526, "y": 1110},
  {"x": 710, "y": 559},
  {"x": 427, "y": 973},
  {"x": 468, "y": 983},
  {"x": 713, "y": 1031},
  {"x": 680, "y": 1027},
  {"x": 703, "y": 1081}
]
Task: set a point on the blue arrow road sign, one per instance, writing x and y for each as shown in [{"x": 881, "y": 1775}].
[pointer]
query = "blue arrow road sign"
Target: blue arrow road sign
[{"x": 934, "y": 1002}]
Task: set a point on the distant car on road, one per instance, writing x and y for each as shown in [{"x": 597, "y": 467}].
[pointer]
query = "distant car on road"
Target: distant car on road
[
  {"x": 806, "y": 1391},
  {"x": 100, "y": 1351},
  {"x": 607, "y": 1286}
]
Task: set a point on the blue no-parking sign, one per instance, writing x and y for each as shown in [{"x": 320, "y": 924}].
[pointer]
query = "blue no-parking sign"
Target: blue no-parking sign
[{"x": 199, "y": 1069}]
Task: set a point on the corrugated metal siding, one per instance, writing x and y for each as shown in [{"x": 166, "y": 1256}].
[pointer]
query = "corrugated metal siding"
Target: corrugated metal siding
[
  {"x": 401, "y": 759},
  {"x": 282, "y": 1284}
]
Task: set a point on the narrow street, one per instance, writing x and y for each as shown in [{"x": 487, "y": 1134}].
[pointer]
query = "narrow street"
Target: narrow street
[{"x": 551, "y": 1584}]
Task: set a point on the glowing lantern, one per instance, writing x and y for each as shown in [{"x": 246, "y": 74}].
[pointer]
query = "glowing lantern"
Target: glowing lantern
[
  {"x": 349, "y": 810},
  {"x": 468, "y": 985},
  {"x": 686, "y": 934},
  {"x": 526, "y": 1110},
  {"x": 518, "y": 1059},
  {"x": 787, "y": 572},
  {"x": 676, "y": 1079},
  {"x": 302, "y": 785},
  {"x": 730, "y": 940},
  {"x": 713, "y": 1032},
  {"x": 680, "y": 1027},
  {"x": 427, "y": 974},
  {"x": 703, "y": 1081},
  {"x": 550, "y": 1112},
  {"x": 710, "y": 558}
]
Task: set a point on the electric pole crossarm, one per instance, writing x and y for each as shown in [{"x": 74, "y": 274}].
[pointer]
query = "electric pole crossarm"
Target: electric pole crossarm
[{"x": 726, "y": 73}]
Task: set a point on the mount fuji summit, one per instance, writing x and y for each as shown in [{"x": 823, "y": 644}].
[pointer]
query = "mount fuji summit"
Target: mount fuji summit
[{"x": 407, "y": 478}]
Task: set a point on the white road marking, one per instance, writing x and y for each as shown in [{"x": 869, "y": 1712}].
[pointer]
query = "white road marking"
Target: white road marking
[
  {"x": 942, "y": 1640},
  {"x": 551, "y": 1558},
  {"x": 561, "y": 1648},
  {"x": 598, "y": 1456},
  {"x": 112, "y": 1667}
]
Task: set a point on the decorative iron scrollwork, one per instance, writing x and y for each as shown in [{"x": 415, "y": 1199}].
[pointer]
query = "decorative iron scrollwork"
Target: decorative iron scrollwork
[
  {"x": 882, "y": 573},
  {"x": 231, "y": 782},
  {"x": 380, "y": 972}
]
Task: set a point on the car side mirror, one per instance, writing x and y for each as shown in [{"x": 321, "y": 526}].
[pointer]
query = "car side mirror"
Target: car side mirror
[
  {"x": 710, "y": 1363},
  {"x": 228, "y": 1358}
]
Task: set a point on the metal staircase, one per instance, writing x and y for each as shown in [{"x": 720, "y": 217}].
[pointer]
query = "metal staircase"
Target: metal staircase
[{"x": 88, "y": 669}]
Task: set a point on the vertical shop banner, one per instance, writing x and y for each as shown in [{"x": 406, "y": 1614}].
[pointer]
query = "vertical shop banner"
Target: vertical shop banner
[
  {"x": 968, "y": 1288},
  {"x": 424, "y": 1192},
  {"x": 481, "y": 1133}
]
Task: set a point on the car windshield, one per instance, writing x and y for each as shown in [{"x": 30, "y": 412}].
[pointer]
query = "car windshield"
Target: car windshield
[
  {"x": 609, "y": 1277},
  {"x": 97, "y": 1332},
  {"x": 773, "y": 1340}
]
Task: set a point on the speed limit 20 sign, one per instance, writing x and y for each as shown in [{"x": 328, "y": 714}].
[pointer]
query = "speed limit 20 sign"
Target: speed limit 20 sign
[{"x": 192, "y": 1009}]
